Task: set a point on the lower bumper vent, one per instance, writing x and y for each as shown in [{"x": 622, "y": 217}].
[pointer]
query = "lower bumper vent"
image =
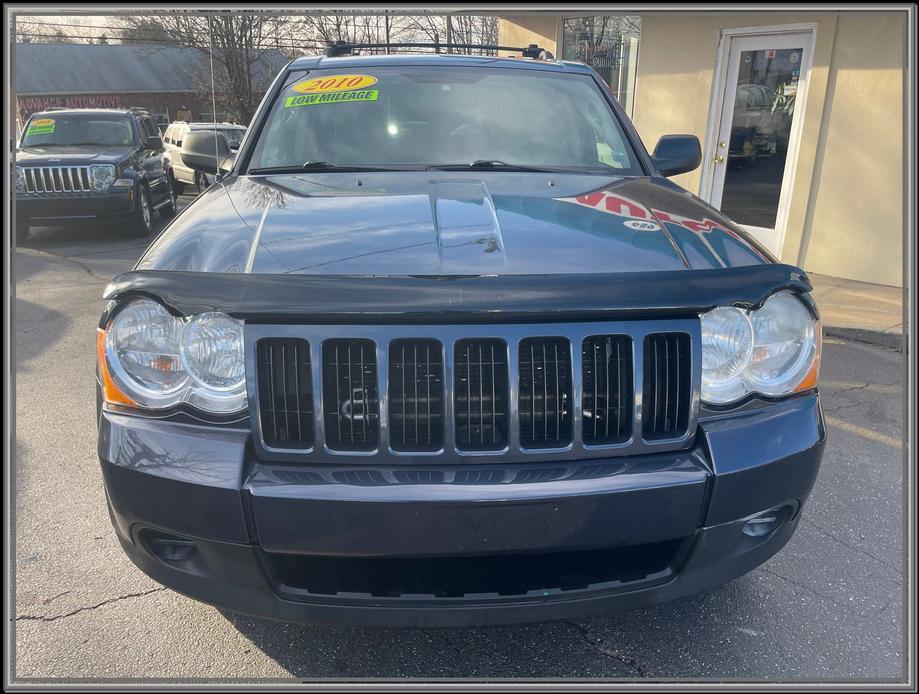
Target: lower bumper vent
[{"x": 455, "y": 577}]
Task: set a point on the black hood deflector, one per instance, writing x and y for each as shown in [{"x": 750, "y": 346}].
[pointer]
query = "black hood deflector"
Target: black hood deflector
[{"x": 330, "y": 299}]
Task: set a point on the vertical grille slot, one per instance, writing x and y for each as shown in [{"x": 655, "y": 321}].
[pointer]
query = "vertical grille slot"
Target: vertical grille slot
[
  {"x": 544, "y": 392},
  {"x": 285, "y": 392},
  {"x": 416, "y": 395},
  {"x": 351, "y": 404},
  {"x": 606, "y": 398},
  {"x": 666, "y": 393},
  {"x": 480, "y": 402}
]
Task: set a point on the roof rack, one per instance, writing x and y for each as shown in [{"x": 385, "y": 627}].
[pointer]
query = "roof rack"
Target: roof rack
[
  {"x": 139, "y": 110},
  {"x": 340, "y": 48}
]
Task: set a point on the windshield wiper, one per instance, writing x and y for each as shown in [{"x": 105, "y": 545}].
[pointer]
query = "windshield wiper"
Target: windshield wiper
[
  {"x": 74, "y": 144},
  {"x": 486, "y": 164},
  {"x": 317, "y": 166}
]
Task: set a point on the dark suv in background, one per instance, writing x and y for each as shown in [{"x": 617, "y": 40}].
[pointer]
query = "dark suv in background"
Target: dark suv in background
[{"x": 82, "y": 165}]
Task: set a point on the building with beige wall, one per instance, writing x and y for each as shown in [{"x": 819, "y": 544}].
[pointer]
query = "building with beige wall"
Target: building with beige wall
[{"x": 801, "y": 118}]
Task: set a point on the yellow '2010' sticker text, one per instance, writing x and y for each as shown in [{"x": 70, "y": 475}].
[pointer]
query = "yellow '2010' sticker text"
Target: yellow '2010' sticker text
[{"x": 334, "y": 83}]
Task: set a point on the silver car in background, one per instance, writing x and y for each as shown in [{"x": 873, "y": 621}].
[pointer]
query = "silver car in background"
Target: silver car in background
[{"x": 172, "y": 140}]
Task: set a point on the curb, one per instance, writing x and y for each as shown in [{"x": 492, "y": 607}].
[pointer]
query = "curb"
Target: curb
[{"x": 890, "y": 341}]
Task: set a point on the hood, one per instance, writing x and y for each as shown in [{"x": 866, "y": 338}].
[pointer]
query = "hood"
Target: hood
[
  {"x": 449, "y": 224},
  {"x": 57, "y": 154}
]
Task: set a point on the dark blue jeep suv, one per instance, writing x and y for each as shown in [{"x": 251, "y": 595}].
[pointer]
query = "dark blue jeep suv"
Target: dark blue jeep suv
[{"x": 445, "y": 346}]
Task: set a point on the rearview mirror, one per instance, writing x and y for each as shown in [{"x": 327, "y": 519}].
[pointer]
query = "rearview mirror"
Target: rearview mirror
[
  {"x": 676, "y": 154},
  {"x": 153, "y": 142},
  {"x": 201, "y": 153}
]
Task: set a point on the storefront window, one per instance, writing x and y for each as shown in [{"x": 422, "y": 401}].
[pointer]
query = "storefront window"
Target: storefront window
[{"x": 609, "y": 44}]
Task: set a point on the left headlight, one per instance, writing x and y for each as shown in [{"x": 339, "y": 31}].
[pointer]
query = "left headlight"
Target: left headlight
[
  {"x": 20, "y": 180},
  {"x": 773, "y": 351},
  {"x": 153, "y": 360},
  {"x": 101, "y": 176}
]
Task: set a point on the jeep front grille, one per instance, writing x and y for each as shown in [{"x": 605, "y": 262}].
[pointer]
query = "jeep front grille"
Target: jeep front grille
[
  {"x": 480, "y": 394},
  {"x": 666, "y": 385},
  {"x": 473, "y": 393},
  {"x": 285, "y": 392},
  {"x": 544, "y": 392},
  {"x": 606, "y": 364},
  {"x": 351, "y": 404},
  {"x": 57, "y": 179},
  {"x": 416, "y": 395}
]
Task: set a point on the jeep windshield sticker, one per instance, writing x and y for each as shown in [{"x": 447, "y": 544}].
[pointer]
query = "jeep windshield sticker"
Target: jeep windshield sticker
[
  {"x": 41, "y": 126},
  {"x": 332, "y": 98},
  {"x": 334, "y": 83}
]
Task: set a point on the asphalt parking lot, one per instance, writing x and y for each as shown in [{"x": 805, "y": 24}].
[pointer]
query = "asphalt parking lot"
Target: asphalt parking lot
[{"x": 829, "y": 606}]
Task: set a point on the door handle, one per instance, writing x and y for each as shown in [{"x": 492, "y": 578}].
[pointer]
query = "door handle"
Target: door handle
[{"x": 718, "y": 159}]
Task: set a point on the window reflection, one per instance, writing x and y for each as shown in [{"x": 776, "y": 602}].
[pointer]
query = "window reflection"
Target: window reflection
[{"x": 609, "y": 44}]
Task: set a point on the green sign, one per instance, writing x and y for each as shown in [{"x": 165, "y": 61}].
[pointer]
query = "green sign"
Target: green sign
[{"x": 331, "y": 98}]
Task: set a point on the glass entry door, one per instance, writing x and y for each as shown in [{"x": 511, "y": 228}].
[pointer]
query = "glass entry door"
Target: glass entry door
[{"x": 755, "y": 144}]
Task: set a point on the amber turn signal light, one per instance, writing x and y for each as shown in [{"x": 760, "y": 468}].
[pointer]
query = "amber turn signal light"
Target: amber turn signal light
[{"x": 110, "y": 392}]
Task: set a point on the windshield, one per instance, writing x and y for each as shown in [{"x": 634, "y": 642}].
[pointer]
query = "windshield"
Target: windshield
[
  {"x": 415, "y": 117},
  {"x": 78, "y": 129}
]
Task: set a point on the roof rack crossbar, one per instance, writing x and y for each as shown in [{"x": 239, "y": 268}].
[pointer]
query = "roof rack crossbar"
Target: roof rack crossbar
[{"x": 340, "y": 48}]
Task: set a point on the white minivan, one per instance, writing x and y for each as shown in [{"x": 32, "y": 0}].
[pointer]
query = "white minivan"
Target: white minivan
[{"x": 172, "y": 140}]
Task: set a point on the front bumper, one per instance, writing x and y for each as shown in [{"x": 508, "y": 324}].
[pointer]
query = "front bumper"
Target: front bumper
[
  {"x": 197, "y": 512},
  {"x": 67, "y": 208}
]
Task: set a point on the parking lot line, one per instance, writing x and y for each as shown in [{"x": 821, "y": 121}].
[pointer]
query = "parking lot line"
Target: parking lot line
[{"x": 863, "y": 432}]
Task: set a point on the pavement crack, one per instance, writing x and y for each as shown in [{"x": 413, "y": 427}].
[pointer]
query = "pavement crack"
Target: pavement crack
[
  {"x": 802, "y": 586},
  {"x": 86, "y": 608},
  {"x": 853, "y": 547},
  {"x": 597, "y": 645},
  {"x": 852, "y": 389},
  {"x": 70, "y": 259}
]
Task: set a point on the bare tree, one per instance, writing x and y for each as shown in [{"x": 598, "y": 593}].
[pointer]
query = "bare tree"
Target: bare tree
[
  {"x": 456, "y": 28},
  {"x": 236, "y": 40},
  {"x": 330, "y": 27}
]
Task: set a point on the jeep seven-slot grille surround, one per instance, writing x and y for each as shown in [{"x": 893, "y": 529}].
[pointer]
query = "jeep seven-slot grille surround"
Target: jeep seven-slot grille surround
[
  {"x": 436, "y": 395},
  {"x": 57, "y": 179}
]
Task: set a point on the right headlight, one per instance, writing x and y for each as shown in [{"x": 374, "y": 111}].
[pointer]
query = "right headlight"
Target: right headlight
[
  {"x": 774, "y": 350},
  {"x": 153, "y": 360},
  {"x": 102, "y": 176}
]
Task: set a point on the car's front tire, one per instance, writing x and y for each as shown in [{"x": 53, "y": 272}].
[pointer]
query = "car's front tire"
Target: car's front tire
[
  {"x": 201, "y": 181},
  {"x": 169, "y": 210},
  {"x": 141, "y": 223}
]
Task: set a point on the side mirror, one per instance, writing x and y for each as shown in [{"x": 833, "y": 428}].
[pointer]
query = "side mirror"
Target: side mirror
[
  {"x": 676, "y": 154},
  {"x": 153, "y": 142},
  {"x": 199, "y": 152}
]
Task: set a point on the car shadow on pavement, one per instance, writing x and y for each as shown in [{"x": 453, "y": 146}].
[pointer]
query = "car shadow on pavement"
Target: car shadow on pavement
[
  {"x": 561, "y": 649},
  {"x": 37, "y": 329}
]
